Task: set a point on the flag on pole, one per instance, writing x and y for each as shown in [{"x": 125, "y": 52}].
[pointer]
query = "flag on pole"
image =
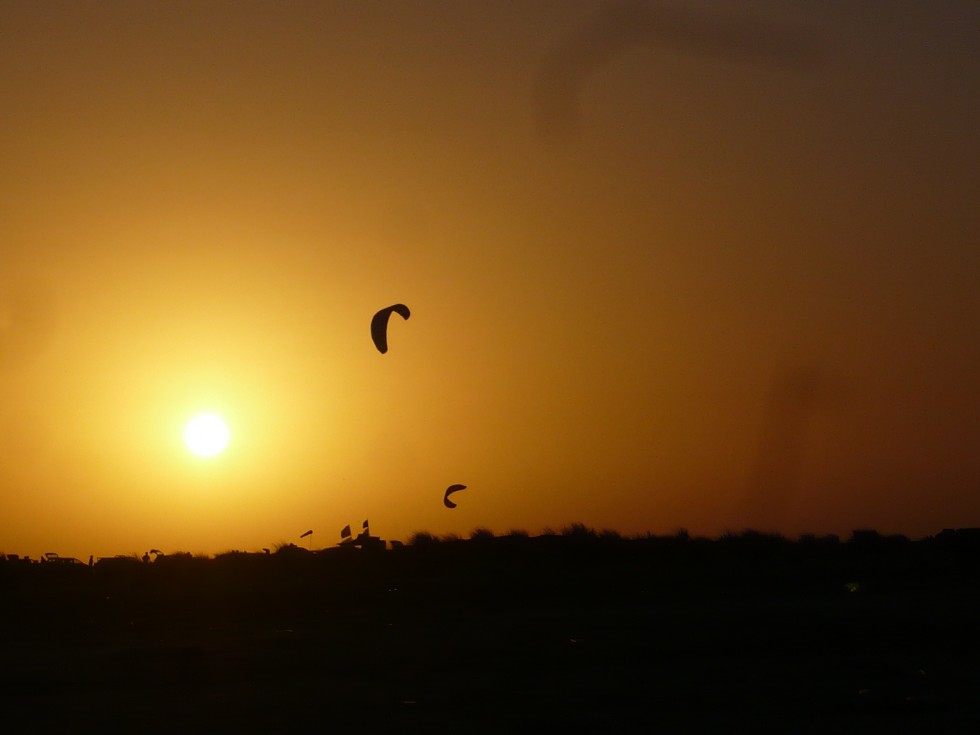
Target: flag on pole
[
  {"x": 346, "y": 532},
  {"x": 304, "y": 535},
  {"x": 364, "y": 525}
]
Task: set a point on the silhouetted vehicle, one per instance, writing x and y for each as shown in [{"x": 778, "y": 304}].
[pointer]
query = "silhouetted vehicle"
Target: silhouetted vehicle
[
  {"x": 120, "y": 560},
  {"x": 52, "y": 557}
]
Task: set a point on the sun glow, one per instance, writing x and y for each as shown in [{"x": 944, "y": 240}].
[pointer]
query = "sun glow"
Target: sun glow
[{"x": 206, "y": 435}]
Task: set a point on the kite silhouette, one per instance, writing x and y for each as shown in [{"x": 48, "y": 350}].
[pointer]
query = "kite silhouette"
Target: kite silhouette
[
  {"x": 449, "y": 491},
  {"x": 379, "y": 325}
]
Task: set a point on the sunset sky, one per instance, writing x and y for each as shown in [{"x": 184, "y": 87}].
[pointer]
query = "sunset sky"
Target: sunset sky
[{"x": 700, "y": 265}]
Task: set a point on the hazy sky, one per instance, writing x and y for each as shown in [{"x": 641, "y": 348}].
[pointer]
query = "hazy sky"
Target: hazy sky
[{"x": 703, "y": 265}]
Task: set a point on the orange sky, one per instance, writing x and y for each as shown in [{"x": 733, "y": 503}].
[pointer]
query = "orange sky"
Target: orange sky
[{"x": 670, "y": 265}]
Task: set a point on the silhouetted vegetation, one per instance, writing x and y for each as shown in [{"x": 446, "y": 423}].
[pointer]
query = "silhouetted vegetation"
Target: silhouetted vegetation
[
  {"x": 582, "y": 628},
  {"x": 742, "y": 556},
  {"x": 481, "y": 534},
  {"x": 422, "y": 538}
]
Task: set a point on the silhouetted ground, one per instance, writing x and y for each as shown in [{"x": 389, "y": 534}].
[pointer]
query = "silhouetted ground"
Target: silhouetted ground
[{"x": 577, "y": 632}]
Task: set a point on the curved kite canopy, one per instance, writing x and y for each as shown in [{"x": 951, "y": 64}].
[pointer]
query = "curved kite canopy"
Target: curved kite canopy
[
  {"x": 379, "y": 325},
  {"x": 449, "y": 491}
]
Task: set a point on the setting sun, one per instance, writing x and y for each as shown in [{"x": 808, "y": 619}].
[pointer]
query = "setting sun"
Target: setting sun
[{"x": 206, "y": 435}]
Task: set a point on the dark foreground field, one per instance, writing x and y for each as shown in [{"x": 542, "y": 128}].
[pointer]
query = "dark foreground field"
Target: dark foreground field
[{"x": 575, "y": 633}]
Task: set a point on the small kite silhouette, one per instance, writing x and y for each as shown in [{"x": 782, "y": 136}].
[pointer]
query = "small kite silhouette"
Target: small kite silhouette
[
  {"x": 449, "y": 491},
  {"x": 379, "y": 325}
]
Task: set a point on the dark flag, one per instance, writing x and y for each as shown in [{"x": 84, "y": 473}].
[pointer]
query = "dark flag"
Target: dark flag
[
  {"x": 364, "y": 525},
  {"x": 346, "y": 532},
  {"x": 304, "y": 535}
]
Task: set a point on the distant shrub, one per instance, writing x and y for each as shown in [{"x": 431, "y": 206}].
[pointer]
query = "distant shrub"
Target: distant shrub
[
  {"x": 751, "y": 536},
  {"x": 481, "y": 534},
  {"x": 233, "y": 553},
  {"x": 422, "y": 538},
  {"x": 291, "y": 551},
  {"x": 517, "y": 533},
  {"x": 864, "y": 536},
  {"x": 448, "y": 537},
  {"x": 578, "y": 530}
]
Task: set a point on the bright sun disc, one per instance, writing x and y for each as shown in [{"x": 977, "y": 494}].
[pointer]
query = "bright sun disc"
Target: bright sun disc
[{"x": 206, "y": 435}]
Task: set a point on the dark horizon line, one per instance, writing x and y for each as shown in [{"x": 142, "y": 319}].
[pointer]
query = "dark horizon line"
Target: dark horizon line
[{"x": 572, "y": 531}]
